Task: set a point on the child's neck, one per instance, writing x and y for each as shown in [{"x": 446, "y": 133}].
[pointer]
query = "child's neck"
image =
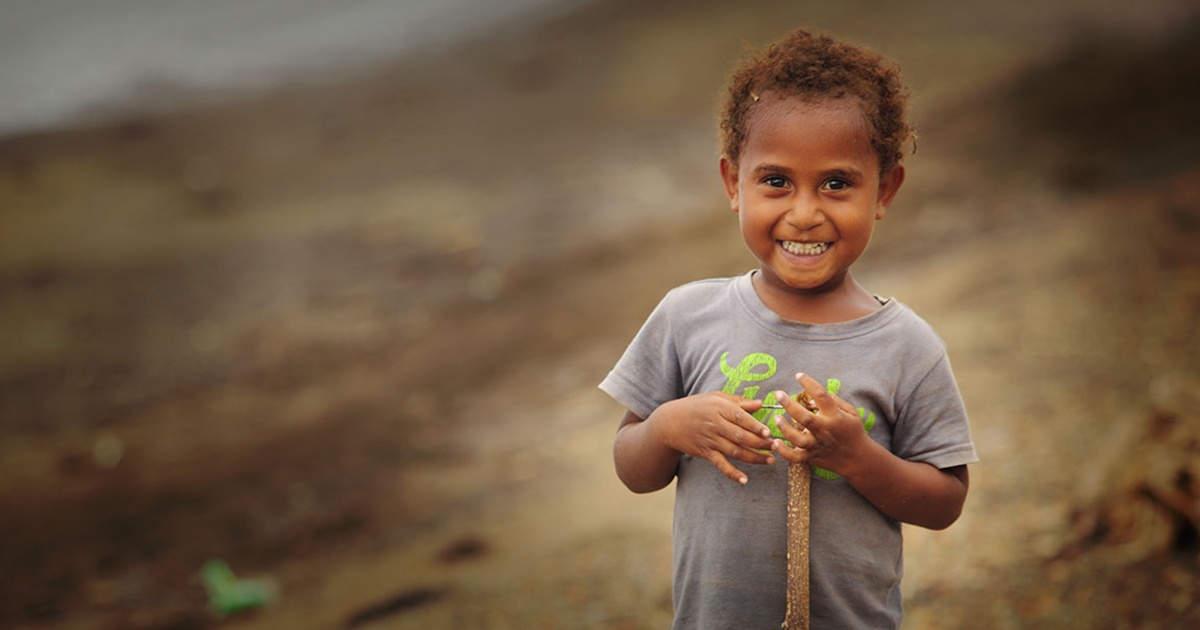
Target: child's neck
[{"x": 845, "y": 301}]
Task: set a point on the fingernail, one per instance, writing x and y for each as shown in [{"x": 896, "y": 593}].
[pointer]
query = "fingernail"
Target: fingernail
[{"x": 743, "y": 480}]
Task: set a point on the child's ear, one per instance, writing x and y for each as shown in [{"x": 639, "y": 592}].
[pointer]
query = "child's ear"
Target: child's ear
[
  {"x": 889, "y": 185},
  {"x": 729, "y": 176}
]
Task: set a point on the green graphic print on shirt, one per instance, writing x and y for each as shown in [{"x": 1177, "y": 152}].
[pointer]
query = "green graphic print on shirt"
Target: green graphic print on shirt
[{"x": 760, "y": 366}]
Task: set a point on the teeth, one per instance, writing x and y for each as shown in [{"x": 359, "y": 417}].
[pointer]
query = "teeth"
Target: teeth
[{"x": 805, "y": 249}]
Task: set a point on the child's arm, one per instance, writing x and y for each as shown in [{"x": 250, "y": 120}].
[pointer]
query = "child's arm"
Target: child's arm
[
  {"x": 714, "y": 426},
  {"x": 833, "y": 438}
]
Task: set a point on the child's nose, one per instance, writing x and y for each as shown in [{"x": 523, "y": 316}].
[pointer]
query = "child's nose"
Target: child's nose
[{"x": 806, "y": 212}]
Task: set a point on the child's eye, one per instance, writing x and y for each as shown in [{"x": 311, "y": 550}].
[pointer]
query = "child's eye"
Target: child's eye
[
  {"x": 775, "y": 181},
  {"x": 837, "y": 184}
]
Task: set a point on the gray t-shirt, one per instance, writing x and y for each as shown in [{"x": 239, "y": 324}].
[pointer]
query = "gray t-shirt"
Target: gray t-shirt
[{"x": 729, "y": 539}]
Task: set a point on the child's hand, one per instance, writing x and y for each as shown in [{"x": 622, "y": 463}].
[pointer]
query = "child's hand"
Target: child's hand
[
  {"x": 831, "y": 437},
  {"x": 715, "y": 427}
]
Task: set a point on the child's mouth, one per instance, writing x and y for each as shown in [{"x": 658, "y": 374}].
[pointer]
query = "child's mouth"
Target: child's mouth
[{"x": 804, "y": 249}]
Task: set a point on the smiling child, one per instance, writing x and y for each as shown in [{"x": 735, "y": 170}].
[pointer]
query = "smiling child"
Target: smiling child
[{"x": 812, "y": 136}]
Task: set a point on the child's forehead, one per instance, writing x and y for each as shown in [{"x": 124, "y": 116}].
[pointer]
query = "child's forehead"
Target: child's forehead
[
  {"x": 824, "y": 128},
  {"x": 772, "y": 111},
  {"x": 778, "y": 104}
]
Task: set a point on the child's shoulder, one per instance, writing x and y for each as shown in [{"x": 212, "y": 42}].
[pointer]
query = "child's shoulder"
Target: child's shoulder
[
  {"x": 698, "y": 298},
  {"x": 703, "y": 291},
  {"x": 906, "y": 322},
  {"x": 705, "y": 285}
]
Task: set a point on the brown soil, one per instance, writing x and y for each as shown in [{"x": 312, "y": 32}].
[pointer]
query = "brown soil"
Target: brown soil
[{"x": 346, "y": 336}]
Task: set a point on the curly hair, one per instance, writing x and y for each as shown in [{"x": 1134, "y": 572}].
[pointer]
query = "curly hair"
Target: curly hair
[{"x": 814, "y": 67}]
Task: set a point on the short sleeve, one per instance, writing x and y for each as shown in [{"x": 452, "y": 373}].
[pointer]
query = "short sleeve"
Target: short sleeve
[
  {"x": 932, "y": 425},
  {"x": 648, "y": 373}
]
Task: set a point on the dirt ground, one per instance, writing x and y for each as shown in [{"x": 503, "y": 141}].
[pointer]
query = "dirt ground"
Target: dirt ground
[{"x": 346, "y": 336}]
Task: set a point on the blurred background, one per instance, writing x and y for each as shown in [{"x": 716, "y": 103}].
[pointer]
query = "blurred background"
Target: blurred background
[{"x": 323, "y": 290}]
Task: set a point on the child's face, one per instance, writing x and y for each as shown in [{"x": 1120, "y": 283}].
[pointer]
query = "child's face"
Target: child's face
[{"x": 808, "y": 190}]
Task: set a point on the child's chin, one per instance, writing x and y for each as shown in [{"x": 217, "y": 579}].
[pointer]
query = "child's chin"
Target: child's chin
[{"x": 804, "y": 286}]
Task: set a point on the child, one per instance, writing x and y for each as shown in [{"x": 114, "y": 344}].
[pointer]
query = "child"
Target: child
[{"x": 812, "y": 135}]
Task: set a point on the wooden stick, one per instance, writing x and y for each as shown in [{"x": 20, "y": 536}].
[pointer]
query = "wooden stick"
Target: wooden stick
[{"x": 799, "y": 488}]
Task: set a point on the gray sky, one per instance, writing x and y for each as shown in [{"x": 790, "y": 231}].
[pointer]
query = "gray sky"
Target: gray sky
[{"x": 60, "y": 59}]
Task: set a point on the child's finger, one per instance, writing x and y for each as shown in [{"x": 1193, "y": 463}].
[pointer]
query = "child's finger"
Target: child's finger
[
  {"x": 726, "y": 468},
  {"x": 830, "y": 408},
  {"x": 799, "y": 415},
  {"x": 796, "y": 431},
  {"x": 750, "y": 455},
  {"x": 793, "y": 454},
  {"x": 826, "y": 402},
  {"x": 740, "y": 438},
  {"x": 748, "y": 423}
]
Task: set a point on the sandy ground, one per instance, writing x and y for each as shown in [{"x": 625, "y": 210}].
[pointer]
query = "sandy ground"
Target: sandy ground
[{"x": 346, "y": 337}]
